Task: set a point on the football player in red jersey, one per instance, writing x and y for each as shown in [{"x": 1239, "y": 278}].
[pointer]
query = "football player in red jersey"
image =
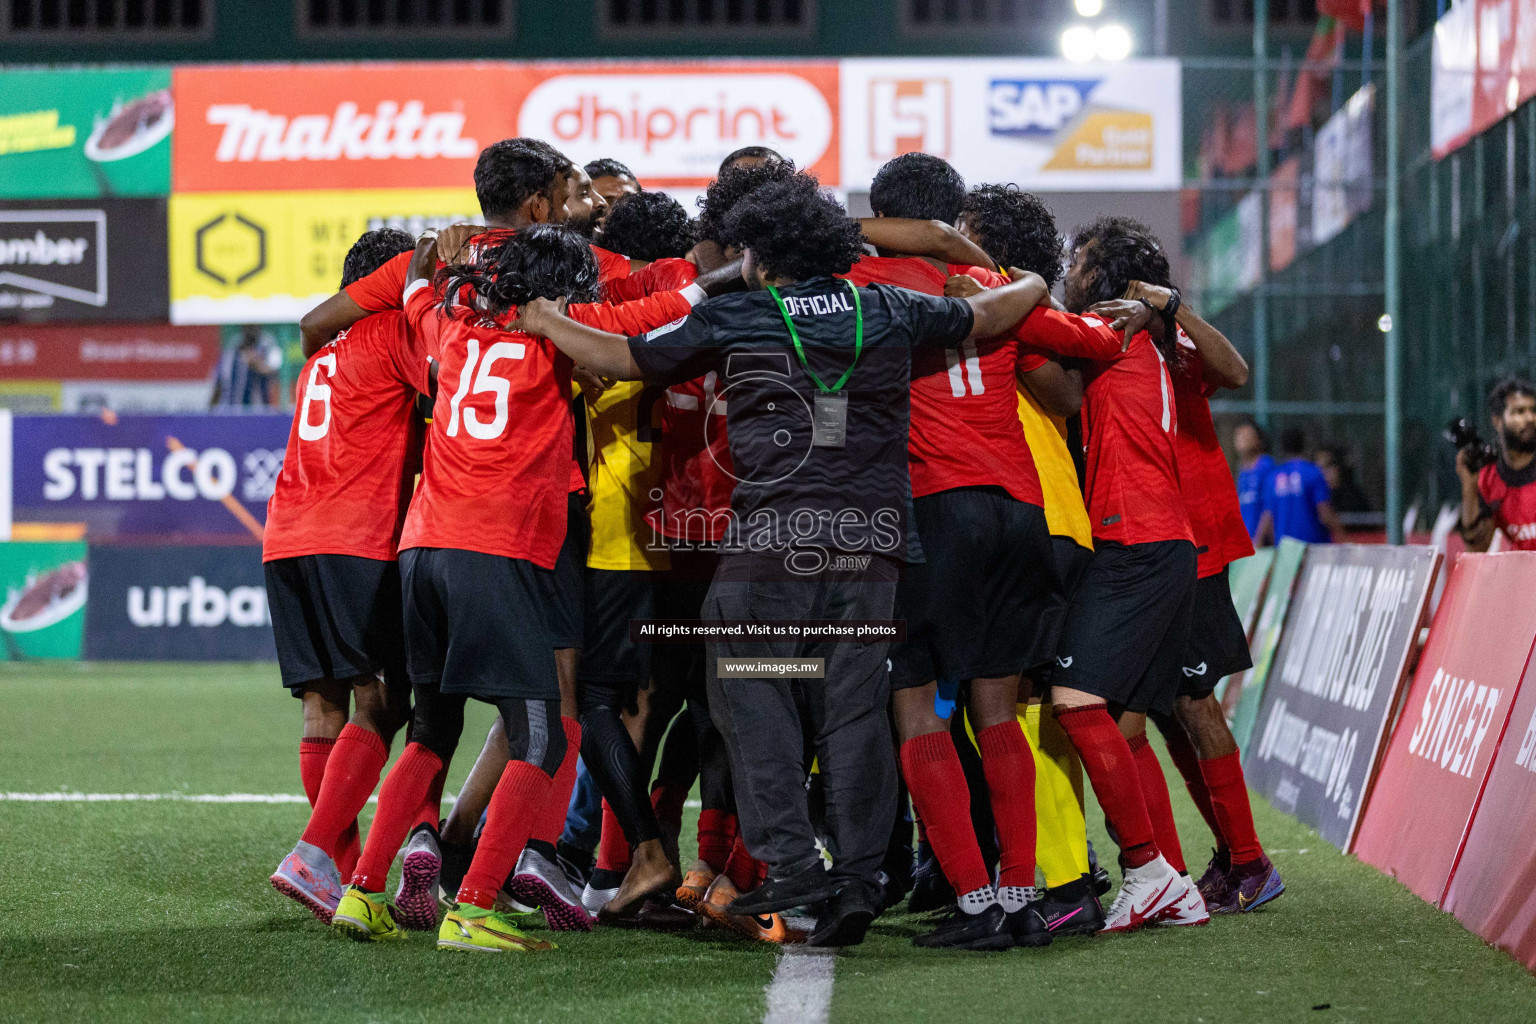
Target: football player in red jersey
[
  {"x": 1128, "y": 624},
  {"x": 987, "y": 582},
  {"x": 488, "y": 517},
  {"x": 1239, "y": 878},
  {"x": 333, "y": 585}
]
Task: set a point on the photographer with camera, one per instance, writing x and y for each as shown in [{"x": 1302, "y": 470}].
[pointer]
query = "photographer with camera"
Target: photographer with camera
[{"x": 1498, "y": 484}]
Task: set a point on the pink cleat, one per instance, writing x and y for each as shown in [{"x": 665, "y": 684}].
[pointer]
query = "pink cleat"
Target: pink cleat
[{"x": 309, "y": 877}]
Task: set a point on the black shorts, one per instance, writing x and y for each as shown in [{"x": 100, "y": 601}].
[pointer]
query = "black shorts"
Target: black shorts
[
  {"x": 560, "y": 588},
  {"x": 336, "y": 617},
  {"x": 988, "y": 600},
  {"x": 474, "y": 625},
  {"x": 1072, "y": 560},
  {"x": 1128, "y": 625},
  {"x": 1218, "y": 646},
  {"x": 609, "y": 657},
  {"x": 680, "y": 593}
]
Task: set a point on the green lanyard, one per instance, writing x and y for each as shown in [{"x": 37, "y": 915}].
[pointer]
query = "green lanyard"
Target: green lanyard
[{"x": 858, "y": 339}]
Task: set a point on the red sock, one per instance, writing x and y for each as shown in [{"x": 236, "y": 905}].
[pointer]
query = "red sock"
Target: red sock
[
  {"x": 1185, "y": 760},
  {"x": 716, "y": 832},
  {"x": 667, "y": 799},
  {"x": 1229, "y": 797},
  {"x": 1111, "y": 768},
  {"x": 937, "y": 784},
  {"x": 349, "y": 850},
  {"x": 1010, "y": 769},
  {"x": 1154, "y": 790},
  {"x": 399, "y": 800},
  {"x": 613, "y": 848},
  {"x": 350, "y": 777},
  {"x": 515, "y": 806},
  {"x": 314, "y": 751},
  {"x": 745, "y": 871},
  {"x": 431, "y": 810},
  {"x": 552, "y": 823}
]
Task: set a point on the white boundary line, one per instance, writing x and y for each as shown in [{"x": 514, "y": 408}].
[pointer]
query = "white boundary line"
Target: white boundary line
[
  {"x": 184, "y": 798},
  {"x": 801, "y": 990}
]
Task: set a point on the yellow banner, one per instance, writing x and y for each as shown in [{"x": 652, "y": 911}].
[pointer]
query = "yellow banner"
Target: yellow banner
[{"x": 269, "y": 257}]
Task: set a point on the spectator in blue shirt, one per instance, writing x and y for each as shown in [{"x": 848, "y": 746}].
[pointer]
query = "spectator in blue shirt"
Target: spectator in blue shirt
[
  {"x": 1297, "y": 501},
  {"x": 247, "y": 372},
  {"x": 1254, "y": 468}
]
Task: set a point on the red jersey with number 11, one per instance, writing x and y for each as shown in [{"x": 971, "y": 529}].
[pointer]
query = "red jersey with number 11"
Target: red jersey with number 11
[{"x": 354, "y": 448}]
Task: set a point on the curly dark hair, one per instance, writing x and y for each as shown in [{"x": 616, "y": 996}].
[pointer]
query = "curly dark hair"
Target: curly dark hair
[
  {"x": 512, "y": 268},
  {"x": 372, "y": 250},
  {"x": 1117, "y": 251},
  {"x": 1499, "y": 396},
  {"x": 734, "y": 185},
  {"x": 795, "y": 230},
  {"x": 1016, "y": 229},
  {"x": 512, "y": 171},
  {"x": 608, "y": 167},
  {"x": 918, "y": 185},
  {"x": 755, "y": 153},
  {"x": 647, "y": 226}
]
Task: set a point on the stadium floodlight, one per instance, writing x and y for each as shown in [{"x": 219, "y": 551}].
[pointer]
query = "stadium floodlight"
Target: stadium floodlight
[
  {"x": 1089, "y": 8},
  {"x": 1112, "y": 42},
  {"x": 1077, "y": 43}
]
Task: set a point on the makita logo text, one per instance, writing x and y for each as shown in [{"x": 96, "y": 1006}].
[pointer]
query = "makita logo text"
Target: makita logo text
[
  {"x": 197, "y": 604},
  {"x": 42, "y": 251},
  {"x": 1453, "y": 722},
  {"x": 392, "y": 132}
]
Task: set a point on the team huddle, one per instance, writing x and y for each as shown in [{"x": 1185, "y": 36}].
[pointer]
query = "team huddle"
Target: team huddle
[{"x": 516, "y": 443}]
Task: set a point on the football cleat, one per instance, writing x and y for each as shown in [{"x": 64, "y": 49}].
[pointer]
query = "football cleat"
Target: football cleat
[
  {"x": 421, "y": 864},
  {"x": 1029, "y": 926},
  {"x": 365, "y": 916},
  {"x": 989, "y": 929},
  {"x": 309, "y": 878},
  {"x": 540, "y": 882},
  {"x": 696, "y": 884},
  {"x": 1254, "y": 885},
  {"x": 473, "y": 929},
  {"x": 1188, "y": 909},
  {"x": 764, "y": 927},
  {"x": 1146, "y": 892},
  {"x": 1215, "y": 887},
  {"x": 1072, "y": 917}
]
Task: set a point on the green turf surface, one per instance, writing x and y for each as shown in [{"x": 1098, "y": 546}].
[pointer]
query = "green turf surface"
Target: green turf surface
[{"x": 161, "y": 911}]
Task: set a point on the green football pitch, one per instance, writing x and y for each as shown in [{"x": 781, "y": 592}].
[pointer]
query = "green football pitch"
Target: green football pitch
[{"x": 159, "y": 910}]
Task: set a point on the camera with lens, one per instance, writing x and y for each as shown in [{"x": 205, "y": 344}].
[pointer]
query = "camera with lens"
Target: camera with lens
[{"x": 1462, "y": 434}]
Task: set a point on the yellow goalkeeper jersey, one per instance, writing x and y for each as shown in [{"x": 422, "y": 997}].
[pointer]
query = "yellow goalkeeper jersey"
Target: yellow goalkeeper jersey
[
  {"x": 622, "y": 424},
  {"x": 1065, "y": 514}
]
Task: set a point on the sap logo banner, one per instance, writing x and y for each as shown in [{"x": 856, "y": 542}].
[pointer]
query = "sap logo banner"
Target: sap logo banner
[
  {"x": 1035, "y": 109},
  {"x": 1334, "y": 681},
  {"x": 180, "y": 603},
  {"x": 149, "y": 477}
]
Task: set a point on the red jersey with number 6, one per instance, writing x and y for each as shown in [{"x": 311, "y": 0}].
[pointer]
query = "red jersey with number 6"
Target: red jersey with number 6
[
  {"x": 1129, "y": 423},
  {"x": 965, "y": 428},
  {"x": 354, "y": 448},
  {"x": 497, "y": 466}
]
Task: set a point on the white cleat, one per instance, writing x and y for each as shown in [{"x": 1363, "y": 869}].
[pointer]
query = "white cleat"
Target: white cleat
[
  {"x": 1146, "y": 893},
  {"x": 1187, "y": 910},
  {"x": 594, "y": 900}
]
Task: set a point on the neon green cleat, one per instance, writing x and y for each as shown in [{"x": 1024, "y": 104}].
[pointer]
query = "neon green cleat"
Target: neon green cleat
[
  {"x": 468, "y": 927},
  {"x": 365, "y": 916}
]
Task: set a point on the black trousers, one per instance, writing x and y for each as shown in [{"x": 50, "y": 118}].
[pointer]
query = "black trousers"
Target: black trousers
[{"x": 768, "y": 723}]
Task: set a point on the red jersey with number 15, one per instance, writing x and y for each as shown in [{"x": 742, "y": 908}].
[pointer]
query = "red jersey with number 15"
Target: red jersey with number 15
[
  {"x": 965, "y": 428},
  {"x": 497, "y": 466},
  {"x": 354, "y": 448},
  {"x": 1129, "y": 422}
]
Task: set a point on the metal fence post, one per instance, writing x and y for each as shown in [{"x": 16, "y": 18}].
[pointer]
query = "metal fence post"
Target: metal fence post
[
  {"x": 1261, "y": 288},
  {"x": 1392, "y": 284}
]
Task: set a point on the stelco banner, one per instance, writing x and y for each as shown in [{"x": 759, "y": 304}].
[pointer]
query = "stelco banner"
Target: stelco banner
[
  {"x": 85, "y": 132},
  {"x": 194, "y": 476},
  {"x": 1452, "y": 720},
  {"x": 73, "y": 260},
  {"x": 1335, "y": 680},
  {"x": 1042, "y": 124},
  {"x": 182, "y": 603}
]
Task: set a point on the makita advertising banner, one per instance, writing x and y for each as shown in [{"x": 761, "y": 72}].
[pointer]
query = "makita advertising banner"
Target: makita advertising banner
[
  {"x": 83, "y": 260},
  {"x": 1435, "y": 766},
  {"x": 181, "y": 603},
  {"x": 189, "y": 476},
  {"x": 1493, "y": 890},
  {"x": 1335, "y": 680}
]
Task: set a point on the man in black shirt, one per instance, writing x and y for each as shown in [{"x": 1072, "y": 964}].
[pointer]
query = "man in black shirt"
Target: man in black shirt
[{"x": 816, "y": 380}]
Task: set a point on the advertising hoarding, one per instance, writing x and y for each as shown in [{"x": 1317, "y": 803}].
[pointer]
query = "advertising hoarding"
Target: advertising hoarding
[{"x": 89, "y": 260}]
